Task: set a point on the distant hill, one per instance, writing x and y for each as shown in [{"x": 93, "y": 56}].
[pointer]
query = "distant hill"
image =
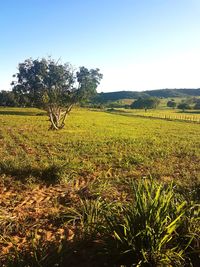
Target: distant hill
[
  {"x": 161, "y": 93},
  {"x": 174, "y": 92},
  {"x": 114, "y": 96}
]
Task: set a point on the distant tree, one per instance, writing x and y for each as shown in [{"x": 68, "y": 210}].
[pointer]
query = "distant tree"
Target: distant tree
[
  {"x": 54, "y": 87},
  {"x": 171, "y": 104},
  {"x": 183, "y": 106},
  {"x": 145, "y": 103},
  {"x": 8, "y": 98},
  {"x": 197, "y": 104}
]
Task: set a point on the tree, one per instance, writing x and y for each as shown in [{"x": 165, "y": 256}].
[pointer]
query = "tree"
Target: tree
[
  {"x": 7, "y": 98},
  {"x": 197, "y": 104},
  {"x": 171, "y": 104},
  {"x": 146, "y": 103},
  {"x": 54, "y": 87},
  {"x": 183, "y": 106}
]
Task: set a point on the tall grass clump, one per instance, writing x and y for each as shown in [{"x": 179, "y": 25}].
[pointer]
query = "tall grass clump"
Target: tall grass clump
[
  {"x": 87, "y": 218},
  {"x": 149, "y": 230}
]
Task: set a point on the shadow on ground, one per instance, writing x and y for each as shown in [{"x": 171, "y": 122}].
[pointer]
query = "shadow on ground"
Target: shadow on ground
[
  {"x": 21, "y": 113},
  {"x": 189, "y": 112},
  {"x": 50, "y": 174}
]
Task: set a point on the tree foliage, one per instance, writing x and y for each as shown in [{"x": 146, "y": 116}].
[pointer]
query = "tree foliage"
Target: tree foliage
[
  {"x": 54, "y": 87},
  {"x": 183, "y": 106},
  {"x": 8, "y": 98},
  {"x": 171, "y": 104},
  {"x": 145, "y": 103}
]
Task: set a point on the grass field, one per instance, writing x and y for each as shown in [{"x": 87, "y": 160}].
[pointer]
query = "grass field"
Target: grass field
[
  {"x": 50, "y": 178},
  {"x": 167, "y": 114}
]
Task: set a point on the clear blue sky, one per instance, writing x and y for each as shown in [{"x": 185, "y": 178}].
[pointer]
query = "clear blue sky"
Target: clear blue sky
[{"x": 137, "y": 44}]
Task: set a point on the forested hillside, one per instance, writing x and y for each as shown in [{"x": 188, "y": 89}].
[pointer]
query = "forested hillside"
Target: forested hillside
[{"x": 164, "y": 93}]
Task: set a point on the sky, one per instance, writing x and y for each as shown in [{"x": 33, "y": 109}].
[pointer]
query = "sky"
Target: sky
[{"x": 137, "y": 44}]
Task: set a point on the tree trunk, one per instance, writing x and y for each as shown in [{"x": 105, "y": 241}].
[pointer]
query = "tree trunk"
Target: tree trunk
[
  {"x": 65, "y": 115},
  {"x": 57, "y": 117}
]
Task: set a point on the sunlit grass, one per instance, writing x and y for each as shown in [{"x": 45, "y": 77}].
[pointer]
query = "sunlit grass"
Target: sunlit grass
[{"x": 99, "y": 144}]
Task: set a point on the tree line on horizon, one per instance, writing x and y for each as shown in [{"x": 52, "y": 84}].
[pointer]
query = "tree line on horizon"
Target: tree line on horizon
[{"x": 10, "y": 99}]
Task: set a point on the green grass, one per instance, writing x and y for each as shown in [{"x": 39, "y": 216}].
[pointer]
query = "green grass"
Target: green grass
[
  {"x": 59, "y": 188},
  {"x": 98, "y": 144}
]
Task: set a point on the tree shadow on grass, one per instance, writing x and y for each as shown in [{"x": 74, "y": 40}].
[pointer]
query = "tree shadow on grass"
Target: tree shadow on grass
[
  {"x": 49, "y": 175},
  {"x": 189, "y": 112},
  {"x": 84, "y": 253},
  {"x": 22, "y": 113}
]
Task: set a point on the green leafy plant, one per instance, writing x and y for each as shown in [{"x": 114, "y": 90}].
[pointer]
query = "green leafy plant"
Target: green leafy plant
[{"x": 144, "y": 231}]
